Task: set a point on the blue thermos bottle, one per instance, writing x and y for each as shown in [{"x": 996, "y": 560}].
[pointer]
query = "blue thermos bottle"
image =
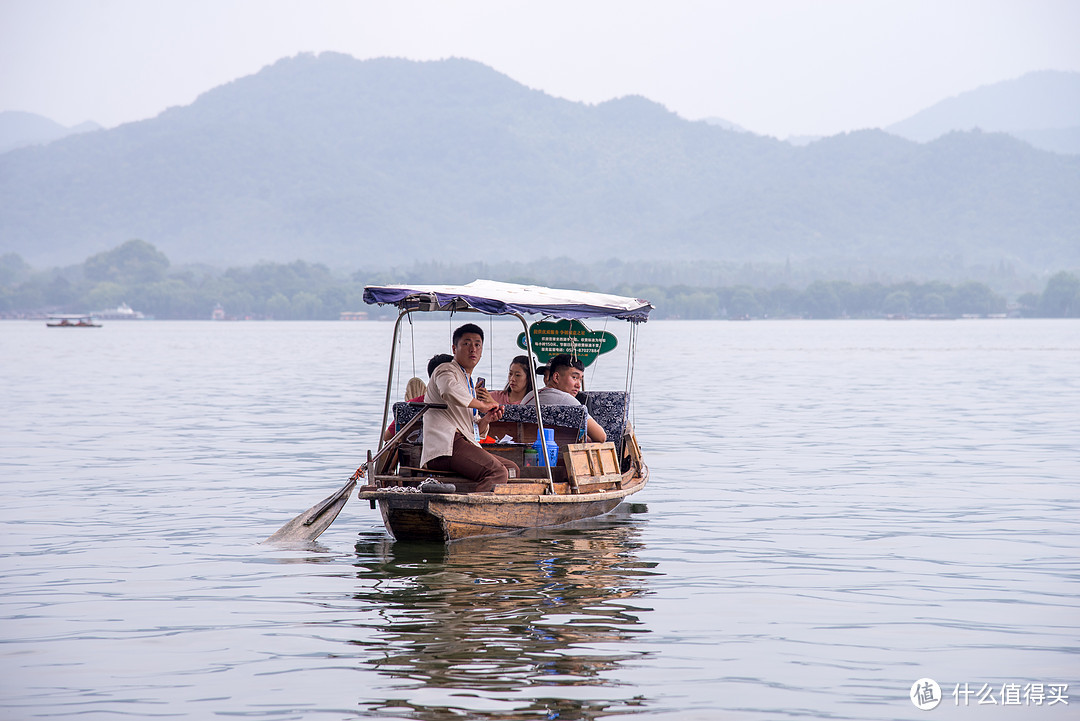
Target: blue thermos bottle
[{"x": 549, "y": 444}]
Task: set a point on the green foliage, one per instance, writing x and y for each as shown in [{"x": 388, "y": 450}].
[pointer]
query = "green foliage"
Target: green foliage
[
  {"x": 932, "y": 304},
  {"x": 744, "y": 304},
  {"x": 306, "y": 306},
  {"x": 32, "y": 293},
  {"x": 975, "y": 299},
  {"x": 821, "y": 300},
  {"x": 105, "y": 294},
  {"x": 12, "y": 269},
  {"x": 279, "y": 306},
  {"x": 135, "y": 261},
  {"x": 897, "y": 303},
  {"x": 170, "y": 298},
  {"x": 1029, "y": 303},
  {"x": 134, "y": 273},
  {"x": 1061, "y": 299}
]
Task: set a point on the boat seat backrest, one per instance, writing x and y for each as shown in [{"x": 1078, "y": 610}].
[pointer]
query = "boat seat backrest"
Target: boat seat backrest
[
  {"x": 404, "y": 412},
  {"x": 608, "y": 408},
  {"x": 569, "y": 417}
]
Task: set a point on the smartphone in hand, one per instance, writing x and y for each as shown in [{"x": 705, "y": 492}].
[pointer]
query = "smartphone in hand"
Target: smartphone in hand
[{"x": 481, "y": 382}]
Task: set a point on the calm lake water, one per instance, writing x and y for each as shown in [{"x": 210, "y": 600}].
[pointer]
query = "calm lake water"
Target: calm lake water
[{"x": 836, "y": 509}]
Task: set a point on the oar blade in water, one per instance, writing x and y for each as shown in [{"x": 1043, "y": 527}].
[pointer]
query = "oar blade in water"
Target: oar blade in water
[{"x": 310, "y": 524}]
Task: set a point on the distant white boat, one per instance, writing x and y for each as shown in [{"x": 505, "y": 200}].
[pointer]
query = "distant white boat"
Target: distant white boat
[{"x": 121, "y": 312}]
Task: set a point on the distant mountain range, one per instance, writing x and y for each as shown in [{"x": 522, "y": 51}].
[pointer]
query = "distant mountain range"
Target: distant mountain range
[
  {"x": 1041, "y": 108},
  {"x": 18, "y": 129},
  {"x": 391, "y": 162}
]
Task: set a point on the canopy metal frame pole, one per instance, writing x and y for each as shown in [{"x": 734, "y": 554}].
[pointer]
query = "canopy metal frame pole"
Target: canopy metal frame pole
[
  {"x": 536, "y": 403},
  {"x": 390, "y": 372}
]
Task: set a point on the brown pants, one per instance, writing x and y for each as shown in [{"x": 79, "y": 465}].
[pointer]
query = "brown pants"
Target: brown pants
[{"x": 474, "y": 463}]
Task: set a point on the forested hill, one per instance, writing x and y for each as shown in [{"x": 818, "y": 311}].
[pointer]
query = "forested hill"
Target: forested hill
[
  {"x": 1042, "y": 108},
  {"x": 387, "y": 162}
]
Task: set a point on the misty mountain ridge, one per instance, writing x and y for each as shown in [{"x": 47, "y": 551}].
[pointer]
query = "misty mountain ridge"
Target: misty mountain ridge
[
  {"x": 19, "y": 129},
  {"x": 725, "y": 124},
  {"x": 1041, "y": 108},
  {"x": 390, "y": 162}
]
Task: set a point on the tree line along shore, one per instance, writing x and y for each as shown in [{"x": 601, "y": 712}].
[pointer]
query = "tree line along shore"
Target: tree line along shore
[{"x": 139, "y": 275}]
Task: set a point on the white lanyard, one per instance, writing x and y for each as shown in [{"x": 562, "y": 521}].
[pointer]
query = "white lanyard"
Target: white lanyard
[{"x": 475, "y": 412}]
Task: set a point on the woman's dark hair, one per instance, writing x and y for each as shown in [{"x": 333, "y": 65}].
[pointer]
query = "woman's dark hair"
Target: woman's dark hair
[{"x": 522, "y": 361}]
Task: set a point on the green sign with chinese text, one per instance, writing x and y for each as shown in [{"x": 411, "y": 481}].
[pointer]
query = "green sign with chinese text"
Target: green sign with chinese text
[{"x": 550, "y": 338}]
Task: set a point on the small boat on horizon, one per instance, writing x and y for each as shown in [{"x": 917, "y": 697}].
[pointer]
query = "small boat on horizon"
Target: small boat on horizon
[{"x": 71, "y": 320}]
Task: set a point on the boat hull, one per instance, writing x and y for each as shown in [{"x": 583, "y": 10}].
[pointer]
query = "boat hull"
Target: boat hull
[{"x": 455, "y": 516}]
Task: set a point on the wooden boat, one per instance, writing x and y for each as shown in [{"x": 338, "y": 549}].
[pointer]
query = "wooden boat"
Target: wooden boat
[
  {"x": 72, "y": 321},
  {"x": 589, "y": 479}
]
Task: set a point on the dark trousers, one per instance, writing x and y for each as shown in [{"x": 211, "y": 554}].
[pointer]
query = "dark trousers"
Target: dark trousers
[{"x": 474, "y": 463}]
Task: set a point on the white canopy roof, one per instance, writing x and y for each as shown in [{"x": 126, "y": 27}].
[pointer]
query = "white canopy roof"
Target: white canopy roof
[{"x": 495, "y": 298}]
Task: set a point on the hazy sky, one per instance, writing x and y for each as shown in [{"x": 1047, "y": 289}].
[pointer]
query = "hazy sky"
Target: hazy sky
[{"x": 780, "y": 67}]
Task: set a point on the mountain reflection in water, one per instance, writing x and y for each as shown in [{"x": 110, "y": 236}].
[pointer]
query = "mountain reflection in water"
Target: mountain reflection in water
[{"x": 506, "y": 628}]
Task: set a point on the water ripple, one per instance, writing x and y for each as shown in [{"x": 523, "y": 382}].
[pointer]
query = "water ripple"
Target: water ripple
[{"x": 836, "y": 509}]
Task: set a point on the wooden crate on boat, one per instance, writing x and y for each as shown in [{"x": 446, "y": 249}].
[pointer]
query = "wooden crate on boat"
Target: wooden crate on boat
[{"x": 592, "y": 467}]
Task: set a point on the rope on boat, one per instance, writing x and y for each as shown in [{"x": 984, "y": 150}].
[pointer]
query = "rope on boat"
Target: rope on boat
[{"x": 401, "y": 489}]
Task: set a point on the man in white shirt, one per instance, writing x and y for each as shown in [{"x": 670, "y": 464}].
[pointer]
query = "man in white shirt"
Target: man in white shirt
[
  {"x": 452, "y": 435},
  {"x": 564, "y": 377}
]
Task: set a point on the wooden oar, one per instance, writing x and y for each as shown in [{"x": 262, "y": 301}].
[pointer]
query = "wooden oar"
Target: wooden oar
[{"x": 310, "y": 524}]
